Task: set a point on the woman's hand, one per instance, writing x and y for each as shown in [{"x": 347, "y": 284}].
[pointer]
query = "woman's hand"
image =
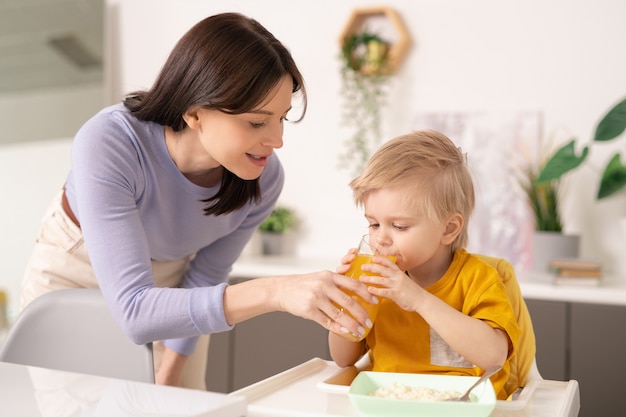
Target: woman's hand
[{"x": 320, "y": 297}]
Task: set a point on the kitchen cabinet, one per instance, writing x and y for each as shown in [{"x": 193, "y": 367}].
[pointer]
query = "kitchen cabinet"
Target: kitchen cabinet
[
  {"x": 261, "y": 347},
  {"x": 585, "y": 342},
  {"x": 550, "y": 323},
  {"x": 598, "y": 358}
]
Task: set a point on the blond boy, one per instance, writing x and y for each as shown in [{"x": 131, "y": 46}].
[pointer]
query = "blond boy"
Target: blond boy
[{"x": 443, "y": 310}]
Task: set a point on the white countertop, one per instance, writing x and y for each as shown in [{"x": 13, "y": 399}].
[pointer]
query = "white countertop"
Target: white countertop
[
  {"x": 538, "y": 286},
  {"x": 534, "y": 285}
]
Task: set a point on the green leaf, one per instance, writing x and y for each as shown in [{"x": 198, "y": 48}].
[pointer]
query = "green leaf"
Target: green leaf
[
  {"x": 563, "y": 161},
  {"x": 613, "y": 124},
  {"x": 613, "y": 178},
  {"x": 546, "y": 207}
]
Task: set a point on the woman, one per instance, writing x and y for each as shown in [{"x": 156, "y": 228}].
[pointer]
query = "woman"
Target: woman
[{"x": 166, "y": 189}]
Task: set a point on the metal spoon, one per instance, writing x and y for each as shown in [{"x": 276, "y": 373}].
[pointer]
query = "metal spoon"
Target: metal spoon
[{"x": 488, "y": 372}]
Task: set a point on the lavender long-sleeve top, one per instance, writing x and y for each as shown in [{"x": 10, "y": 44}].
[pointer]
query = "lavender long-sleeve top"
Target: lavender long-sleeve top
[{"x": 134, "y": 206}]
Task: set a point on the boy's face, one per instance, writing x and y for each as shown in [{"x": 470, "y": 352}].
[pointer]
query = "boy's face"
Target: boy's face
[{"x": 420, "y": 240}]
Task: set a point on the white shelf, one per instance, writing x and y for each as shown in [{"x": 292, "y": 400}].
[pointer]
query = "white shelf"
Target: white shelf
[
  {"x": 536, "y": 286},
  {"x": 539, "y": 286}
]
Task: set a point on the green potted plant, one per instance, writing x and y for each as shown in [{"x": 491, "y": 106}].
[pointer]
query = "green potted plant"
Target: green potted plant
[
  {"x": 280, "y": 220},
  {"x": 364, "y": 75},
  {"x": 548, "y": 241},
  {"x": 273, "y": 229},
  {"x": 565, "y": 159}
]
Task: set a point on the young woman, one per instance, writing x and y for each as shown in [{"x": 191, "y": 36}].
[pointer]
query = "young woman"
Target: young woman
[{"x": 166, "y": 189}]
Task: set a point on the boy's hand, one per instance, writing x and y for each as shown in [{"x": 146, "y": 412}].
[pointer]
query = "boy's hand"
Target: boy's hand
[
  {"x": 346, "y": 261},
  {"x": 392, "y": 283}
]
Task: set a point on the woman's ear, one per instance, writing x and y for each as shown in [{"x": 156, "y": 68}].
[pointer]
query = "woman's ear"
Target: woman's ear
[
  {"x": 453, "y": 227},
  {"x": 192, "y": 118}
]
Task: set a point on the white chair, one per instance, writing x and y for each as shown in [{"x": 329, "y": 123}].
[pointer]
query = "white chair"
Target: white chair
[
  {"x": 534, "y": 372},
  {"x": 73, "y": 330}
]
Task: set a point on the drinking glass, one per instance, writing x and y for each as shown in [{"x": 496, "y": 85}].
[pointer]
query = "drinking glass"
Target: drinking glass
[{"x": 369, "y": 246}]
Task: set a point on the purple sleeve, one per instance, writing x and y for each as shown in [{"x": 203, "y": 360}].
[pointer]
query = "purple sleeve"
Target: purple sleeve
[{"x": 112, "y": 175}]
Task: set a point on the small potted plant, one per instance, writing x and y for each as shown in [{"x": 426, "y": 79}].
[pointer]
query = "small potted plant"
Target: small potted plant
[
  {"x": 274, "y": 228},
  {"x": 549, "y": 241},
  {"x": 613, "y": 177}
]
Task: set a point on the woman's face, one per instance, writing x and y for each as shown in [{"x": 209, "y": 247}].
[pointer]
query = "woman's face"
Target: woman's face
[{"x": 242, "y": 143}]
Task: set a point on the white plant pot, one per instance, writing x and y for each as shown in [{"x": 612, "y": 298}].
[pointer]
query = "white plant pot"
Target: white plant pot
[
  {"x": 552, "y": 245},
  {"x": 273, "y": 244}
]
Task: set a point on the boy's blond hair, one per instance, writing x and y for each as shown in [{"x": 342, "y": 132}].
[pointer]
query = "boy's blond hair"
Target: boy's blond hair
[{"x": 433, "y": 170}]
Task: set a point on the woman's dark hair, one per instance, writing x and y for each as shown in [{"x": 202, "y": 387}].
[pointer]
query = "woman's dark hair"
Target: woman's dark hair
[{"x": 227, "y": 62}]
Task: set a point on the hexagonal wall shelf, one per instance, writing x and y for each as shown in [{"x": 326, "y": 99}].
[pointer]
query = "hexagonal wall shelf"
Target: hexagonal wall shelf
[{"x": 397, "y": 49}]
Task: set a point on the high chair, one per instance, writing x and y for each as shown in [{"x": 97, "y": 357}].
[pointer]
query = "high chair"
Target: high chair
[
  {"x": 526, "y": 363},
  {"x": 73, "y": 330}
]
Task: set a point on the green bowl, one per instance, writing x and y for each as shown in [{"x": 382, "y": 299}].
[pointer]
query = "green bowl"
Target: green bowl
[{"x": 482, "y": 404}]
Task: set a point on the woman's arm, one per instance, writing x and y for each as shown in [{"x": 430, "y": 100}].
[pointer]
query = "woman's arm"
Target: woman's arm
[{"x": 317, "y": 296}]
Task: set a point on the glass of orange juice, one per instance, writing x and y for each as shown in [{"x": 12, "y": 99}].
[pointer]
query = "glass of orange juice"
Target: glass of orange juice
[{"x": 368, "y": 247}]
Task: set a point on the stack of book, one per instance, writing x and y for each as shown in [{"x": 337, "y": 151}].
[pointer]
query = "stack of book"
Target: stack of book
[{"x": 576, "y": 271}]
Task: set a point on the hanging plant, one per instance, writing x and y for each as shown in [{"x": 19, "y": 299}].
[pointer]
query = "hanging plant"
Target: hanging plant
[{"x": 364, "y": 75}]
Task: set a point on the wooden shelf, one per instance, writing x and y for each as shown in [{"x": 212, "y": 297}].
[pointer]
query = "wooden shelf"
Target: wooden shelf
[{"x": 398, "y": 49}]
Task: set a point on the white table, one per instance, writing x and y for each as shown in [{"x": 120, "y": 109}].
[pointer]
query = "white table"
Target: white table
[
  {"x": 27, "y": 391},
  {"x": 300, "y": 392}
]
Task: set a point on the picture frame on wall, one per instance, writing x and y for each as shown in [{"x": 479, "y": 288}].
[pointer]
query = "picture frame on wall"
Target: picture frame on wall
[{"x": 497, "y": 145}]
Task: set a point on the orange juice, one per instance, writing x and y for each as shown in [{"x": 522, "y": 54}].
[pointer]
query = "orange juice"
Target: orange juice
[{"x": 355, "y": 272}]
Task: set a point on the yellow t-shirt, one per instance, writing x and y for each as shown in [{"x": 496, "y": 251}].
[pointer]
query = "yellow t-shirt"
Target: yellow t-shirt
[
  {"x": 522, "y": 358},
  {"x": 402, "y": 341}
]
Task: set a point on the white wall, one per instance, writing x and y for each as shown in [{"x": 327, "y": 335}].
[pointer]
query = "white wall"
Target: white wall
[
  {"x": 47, "y": 113},
  {"x": 560, "y": 57},
  {"x": 31, "y": 174}
]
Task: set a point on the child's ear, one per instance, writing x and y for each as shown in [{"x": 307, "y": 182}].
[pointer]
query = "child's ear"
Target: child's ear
[{"x": 454, "y": 225}]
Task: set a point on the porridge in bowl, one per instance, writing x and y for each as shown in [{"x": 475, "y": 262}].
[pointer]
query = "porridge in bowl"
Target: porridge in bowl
[{"x": 405, "y": 392}]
